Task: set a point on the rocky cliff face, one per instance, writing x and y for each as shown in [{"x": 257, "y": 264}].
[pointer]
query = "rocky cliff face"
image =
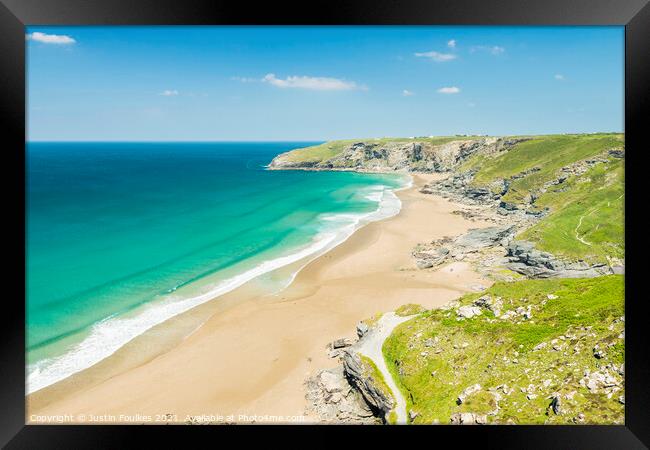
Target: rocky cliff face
[
  {"x": 347, "y": 393},
  {"x": 411, "y": 156}
]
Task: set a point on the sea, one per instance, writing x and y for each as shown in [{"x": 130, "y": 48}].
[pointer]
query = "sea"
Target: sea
[{"x": 122, "y": 236}]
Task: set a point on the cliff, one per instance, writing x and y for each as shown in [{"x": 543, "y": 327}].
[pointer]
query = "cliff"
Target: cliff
[{"x": 383, "y": 155}]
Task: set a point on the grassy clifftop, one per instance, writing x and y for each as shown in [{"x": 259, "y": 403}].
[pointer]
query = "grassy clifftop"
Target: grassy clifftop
[
  {"x": 533, "y": 351},
  {"x": 548, "y": 154},
  {"x": 324, "y": 152}
]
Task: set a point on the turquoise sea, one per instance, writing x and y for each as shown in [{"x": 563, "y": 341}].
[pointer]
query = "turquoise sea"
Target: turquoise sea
[{"x": 122, "y": 236}]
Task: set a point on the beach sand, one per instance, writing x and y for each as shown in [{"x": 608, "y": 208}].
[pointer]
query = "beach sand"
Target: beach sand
[{"x": 251, "y": 354}]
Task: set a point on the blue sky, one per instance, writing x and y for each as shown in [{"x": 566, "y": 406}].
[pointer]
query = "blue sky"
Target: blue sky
[{"x": 320, "y": 83}]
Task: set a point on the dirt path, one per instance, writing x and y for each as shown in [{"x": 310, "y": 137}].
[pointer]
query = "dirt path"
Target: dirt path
[
  {"x": 578, "y": 237},
  {"x": 371, "y": 346}
]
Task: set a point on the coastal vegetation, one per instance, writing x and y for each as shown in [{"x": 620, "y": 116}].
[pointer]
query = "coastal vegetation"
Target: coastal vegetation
[
  {"x": 587, "y": 216},
  {"x": 576, "y": 179},
  {"x": 546, "y": 346},
  {"x": 409, "y": 309},
  {"x": 529, "y": 344}
]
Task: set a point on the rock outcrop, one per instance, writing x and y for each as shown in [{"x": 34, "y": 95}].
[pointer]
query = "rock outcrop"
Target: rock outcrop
[
  {"x": 467, "y": 419},
  {"x": 333, "y": 399},
  {"x": 518, "y": 256},
  {"x": 365, "y": 384},
  {"x": 447, "y": 249},
  {"x": 527, "y": 260},
  {"x": 349, "y": 392},
  {"x": 495, "y": 247},
  {"x": 459, "y": 187}
]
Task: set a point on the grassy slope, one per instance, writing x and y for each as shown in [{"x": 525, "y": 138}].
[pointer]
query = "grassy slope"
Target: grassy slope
[
  {"x": 585, "y": 222},
  {"x": 493, "y": 352},
  {"x": 328, "y": 150},
  {"x": 590, "y": 207},
  {"x": 596, "y": 196},
  {"x": 318, "y": 153},
  {"x": 548, "y": 153}
]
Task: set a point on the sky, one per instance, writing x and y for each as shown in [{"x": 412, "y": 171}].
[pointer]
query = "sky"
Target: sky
[{"x": 177, "y": 83}]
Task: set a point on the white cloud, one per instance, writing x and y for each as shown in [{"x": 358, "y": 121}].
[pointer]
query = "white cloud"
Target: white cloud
[
  {"x": 437, "y": 56},
  {"x": 493, "y": 49},
  {"x": 449, "y": 90},
  {"x": 169, "y": 92},
  {"x": 407, "y": 93},
  {"x": 558, "y": 76},
  {"x": 451, "y": 43},
  {"x": 313, "y": 83},
  {"x": 50, "y": 38}
]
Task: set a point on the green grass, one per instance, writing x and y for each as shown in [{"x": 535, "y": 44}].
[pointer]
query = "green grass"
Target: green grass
[
  {"x": 409, "y": 309},
  {"x": 318, "y": 153},
  {"x": 548, "y": 153},
  {"x": 590, "y": 207},
  {"x": 592, "y": 202},
  {"x": 462, "y": 353},
  {"x": 372, "y": 321}
]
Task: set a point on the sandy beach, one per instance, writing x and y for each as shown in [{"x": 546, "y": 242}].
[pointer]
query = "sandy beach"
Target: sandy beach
[{"x": 246, "y": 355}]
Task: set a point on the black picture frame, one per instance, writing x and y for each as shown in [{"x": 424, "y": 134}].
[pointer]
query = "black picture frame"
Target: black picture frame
[{"x": 16, "y": 14}]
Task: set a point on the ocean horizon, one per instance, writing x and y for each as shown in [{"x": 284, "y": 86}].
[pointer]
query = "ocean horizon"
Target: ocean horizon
[{"x": 122, "y": 236}]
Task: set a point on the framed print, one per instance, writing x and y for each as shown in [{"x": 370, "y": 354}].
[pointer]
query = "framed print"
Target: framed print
[{"x": 408, "y": 216}]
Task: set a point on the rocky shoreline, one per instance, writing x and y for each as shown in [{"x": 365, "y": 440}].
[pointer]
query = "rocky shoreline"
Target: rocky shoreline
[
  {"x": 499, "y": 243},
  {"x": 347, "y": 393}
]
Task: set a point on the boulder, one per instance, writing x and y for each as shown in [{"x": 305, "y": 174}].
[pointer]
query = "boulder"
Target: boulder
[
  {"x": 362, "y": 329},
  {"x": 490, "y": 304},
  {"x": 467, "y": 392},
  {"x": 341, "y": 343},
  {"x": 430, "y": 258},
  {"x": 555, "y": 405},
  {"x": 332, "y": 381},
  {"x": 599, "y": 353},
  {"x": 598, "y": 380},
  {"x": 525, "y": 259},
  {"x": 467, "y": 312},
  {"x": 484, "y": 237},
  {"x": 467, "y": 418}
]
